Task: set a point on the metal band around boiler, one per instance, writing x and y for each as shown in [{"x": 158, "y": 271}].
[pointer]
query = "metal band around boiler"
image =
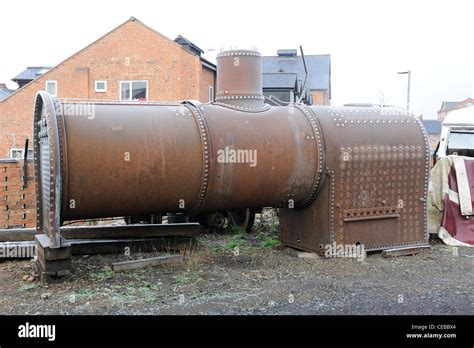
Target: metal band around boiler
[
  {"x": 63, "y": 156},
  {"x": 206, "y": 150},
  {"x": 318, "y": 135},
  {"x": 427, "y": 174},
  {"x": 47, "y": 168}
]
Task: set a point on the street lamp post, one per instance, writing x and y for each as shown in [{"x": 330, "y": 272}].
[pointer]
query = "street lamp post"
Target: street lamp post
[{"x": 408, "y": 72}]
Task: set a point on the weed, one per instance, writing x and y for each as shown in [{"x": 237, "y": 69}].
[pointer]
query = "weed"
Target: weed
[
  {"x": 186, "y": 277},
  {"x": 150, "y": 299},
  {"x": 104, "y": 274},
  {"x": 25, "y": 287},
  {"x": 107, "y": 292},
  {"x": 236, "y": 230},
  {"x": 268, "y": 242},
  {"x": 146, "y": 286},
  {"x": 86, "y": 293},
  {"x": 232, "y": 244},
  {"x": 197, "y": 295}
]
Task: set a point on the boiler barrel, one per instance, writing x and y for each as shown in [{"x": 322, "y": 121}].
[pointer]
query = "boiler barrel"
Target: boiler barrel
[{"x": 117, "y": 159}]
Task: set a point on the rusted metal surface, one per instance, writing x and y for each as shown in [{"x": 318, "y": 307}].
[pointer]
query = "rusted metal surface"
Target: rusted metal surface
[
  {"x": 135, "y": 159},
  {"x": 344, "y": 175},
  {"x": 131, "y": 159},
  {"x": 286, "y": 161},
  {"x": 239, "y": 81},
  {"x": 47, "y": 166},
  {"x": 376, "y": 186}
]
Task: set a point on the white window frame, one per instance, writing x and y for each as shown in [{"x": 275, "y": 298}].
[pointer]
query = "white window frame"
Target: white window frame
[
  {"x": 22, "y": 151},
  {"x": 130, "y": 85},
  {"x": 210, "y": 93},
  {"x": 101, "y": 90},
  {"x": 55, "y": 86}
]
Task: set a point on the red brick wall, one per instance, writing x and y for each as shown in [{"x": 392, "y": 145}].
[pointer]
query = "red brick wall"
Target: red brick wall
[
  {"x": 130, "y": 52},
  {"x": 320, "y": 97},
  {"x": 207, "y": 79},
  {"x": 17, "y": 204}
]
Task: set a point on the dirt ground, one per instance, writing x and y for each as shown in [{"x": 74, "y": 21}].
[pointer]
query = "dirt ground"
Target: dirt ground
[{"x": 261, "y": 278}]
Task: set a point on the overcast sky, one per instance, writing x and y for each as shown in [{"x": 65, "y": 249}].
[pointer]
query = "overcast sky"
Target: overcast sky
[{"x": 369, "y": 41}]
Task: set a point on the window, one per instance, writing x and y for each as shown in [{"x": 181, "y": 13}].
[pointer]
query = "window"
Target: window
[
  {"x": 134, "y": 90},
  {"x": 18, "y": 153},
  {"x": 281, "y": 95},
  {"x": 52, "y": 88},
  {"x": 101, "y": 86},
  {"x": 461, "y": 142},
  {"x": 210, "y": 93}
]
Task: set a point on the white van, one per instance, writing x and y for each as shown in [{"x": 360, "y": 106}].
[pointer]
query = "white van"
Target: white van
[{"x": 457, "y": 134}]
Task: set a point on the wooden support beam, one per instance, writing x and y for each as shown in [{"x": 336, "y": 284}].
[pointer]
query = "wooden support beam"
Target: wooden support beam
[
  {"x": 43, "y": 244},
  {"x": 17, "y": 250},
  {"x": 18, "y": 234},
  {"x": 108, "y": 232},
  {"x": 152, "y": 261},
  {"x": 96, "y": 246},
  {"x": 406, "y": 251},
  {"x": 51, "y": 262}
]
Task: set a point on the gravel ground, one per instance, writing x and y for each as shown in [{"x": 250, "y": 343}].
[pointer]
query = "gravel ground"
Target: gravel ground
[{"x": 260, "y": 279}]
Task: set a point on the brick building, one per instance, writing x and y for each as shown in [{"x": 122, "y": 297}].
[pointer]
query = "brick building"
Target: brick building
[
  {"x": 448, "y": 106},
  {"x": 283, "y": 77},
  {"x": 131, "y": 62}
]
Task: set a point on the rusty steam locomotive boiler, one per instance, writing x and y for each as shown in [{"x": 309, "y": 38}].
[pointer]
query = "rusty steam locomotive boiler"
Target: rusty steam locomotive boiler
[{"x": 342, "y": 175}]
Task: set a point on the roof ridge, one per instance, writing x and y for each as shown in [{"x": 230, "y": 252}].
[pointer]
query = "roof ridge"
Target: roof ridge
[
  {"x": 131, "y": 19},
  {"x": 69, "y": 58}
]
